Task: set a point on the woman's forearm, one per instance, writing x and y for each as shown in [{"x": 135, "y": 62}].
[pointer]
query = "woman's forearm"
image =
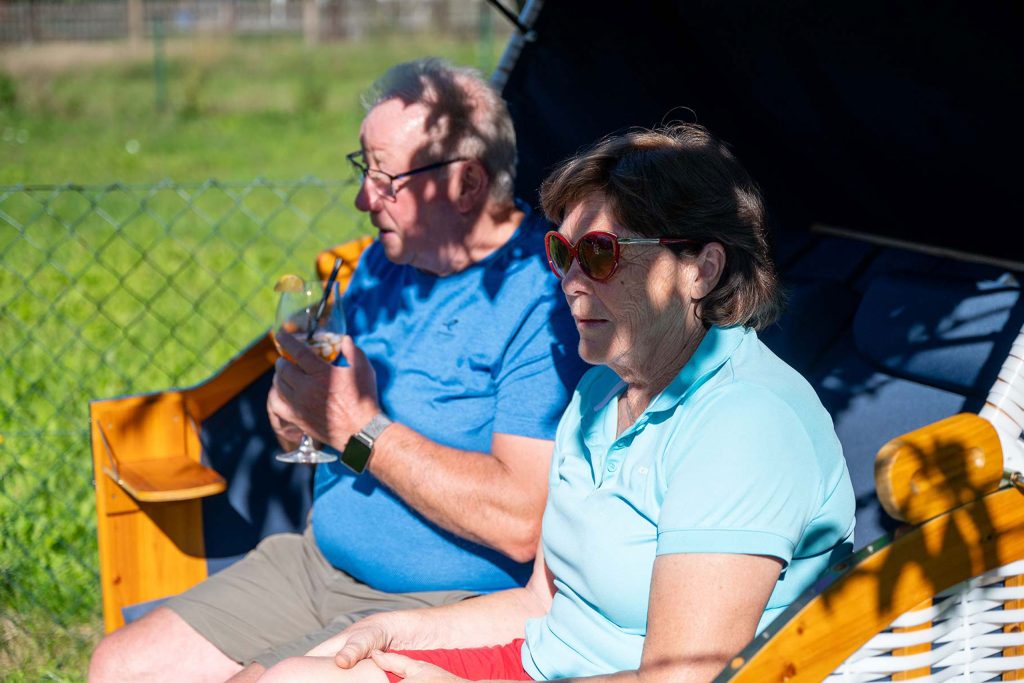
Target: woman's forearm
[{"x": 477, "y": 622}]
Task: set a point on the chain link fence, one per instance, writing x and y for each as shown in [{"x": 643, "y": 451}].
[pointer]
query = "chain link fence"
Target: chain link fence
[
  {"x": 42, "y": 20},
  {"x": 112, "y": 290}
]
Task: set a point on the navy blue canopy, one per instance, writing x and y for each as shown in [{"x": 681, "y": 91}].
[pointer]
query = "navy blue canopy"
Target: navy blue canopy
[{"x": 898, "y": 119}]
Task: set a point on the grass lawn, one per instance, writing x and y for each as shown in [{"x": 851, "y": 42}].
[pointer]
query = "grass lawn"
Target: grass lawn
[
  {"x": 242, "y": 109},
  {"x": 108, "y": 291}
]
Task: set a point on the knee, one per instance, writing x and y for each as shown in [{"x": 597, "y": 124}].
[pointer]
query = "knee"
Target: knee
[
  {"x": 109, "y": 659},
  {"x": 290, "y": 669}
]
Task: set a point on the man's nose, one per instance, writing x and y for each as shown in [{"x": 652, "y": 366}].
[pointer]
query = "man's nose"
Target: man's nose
[{"x": 366, "y": 198}]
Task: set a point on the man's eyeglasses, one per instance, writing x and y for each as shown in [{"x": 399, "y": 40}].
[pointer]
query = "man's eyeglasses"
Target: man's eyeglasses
[
  {"x": 597, "y": 252},
  {"x": 383, "y": 182}
]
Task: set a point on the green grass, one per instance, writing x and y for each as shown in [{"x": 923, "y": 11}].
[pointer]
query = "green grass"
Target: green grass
[
  {"x": 138, "y": 287},
  {"x": 237, "y": 110}
]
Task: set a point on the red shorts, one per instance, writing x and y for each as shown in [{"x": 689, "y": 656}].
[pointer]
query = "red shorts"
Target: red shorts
[{"x": 501, "y": 662}]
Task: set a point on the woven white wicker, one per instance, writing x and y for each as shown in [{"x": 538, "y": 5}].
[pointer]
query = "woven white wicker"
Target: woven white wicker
[{"x": 965, "y": 629}]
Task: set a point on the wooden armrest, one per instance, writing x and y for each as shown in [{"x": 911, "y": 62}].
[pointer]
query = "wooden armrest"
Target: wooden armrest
[
  {"x": 166, "y": 479},
  {"x": 936, "y": 468},
  {"x": 349, "y": 253},
  {"x": 148, "y": 455},
  {"x": 851, "y": 604}
]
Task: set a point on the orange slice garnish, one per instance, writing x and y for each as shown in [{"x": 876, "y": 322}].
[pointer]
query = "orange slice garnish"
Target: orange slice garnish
[{"x": 289, "y": 283}]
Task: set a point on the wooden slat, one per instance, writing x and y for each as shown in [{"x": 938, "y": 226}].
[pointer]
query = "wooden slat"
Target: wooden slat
[
  {"x": 146, "y": 551},
  {"x": 207, "y": 398},
  {"x": 152, "y": 553},
  {"x": 913, "y": 650},
  {"x": 936, "y": 468},
  {"x": 1014, "y": 628},
  {"x": 167, "y": 479},
  {"x": 960, "y": 544},
  {"x": 349, "y": 253}
]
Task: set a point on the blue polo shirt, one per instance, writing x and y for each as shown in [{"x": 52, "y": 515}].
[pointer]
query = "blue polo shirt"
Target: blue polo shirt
[
  {"x": 736, "y": 455},
  {"x": 490, "y": 349}
]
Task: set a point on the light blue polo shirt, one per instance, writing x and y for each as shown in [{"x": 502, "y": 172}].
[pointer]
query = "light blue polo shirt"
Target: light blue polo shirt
[{"x": 736, "y": 455}]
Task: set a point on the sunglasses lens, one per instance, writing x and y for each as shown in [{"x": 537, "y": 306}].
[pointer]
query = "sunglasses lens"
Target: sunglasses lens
[
  {"x": 596, "y": 253},
  {"x": 559, "y": 254}
]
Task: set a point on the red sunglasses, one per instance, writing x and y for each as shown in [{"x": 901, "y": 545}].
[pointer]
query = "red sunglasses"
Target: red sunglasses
[{"x": 597, "y": 252}]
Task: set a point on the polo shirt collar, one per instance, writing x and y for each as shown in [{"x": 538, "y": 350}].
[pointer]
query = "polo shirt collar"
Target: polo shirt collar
[
  {"x": 712, "y": 353},
  {"x": 718, "y": 345}
]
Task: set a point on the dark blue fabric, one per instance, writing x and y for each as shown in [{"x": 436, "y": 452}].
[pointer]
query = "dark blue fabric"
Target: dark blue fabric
[
  {"x": 264, "y": 496},
  {"x": 832, "y": 259},
  {"x": 869, "y": 408},
  {"x": 137, "y": 611},
  {"x": 937, "y": 332},
  {"x": 947, "y": 270},
  {"x": 894, "y": 118},
  {"x": 892, "y": 340},
  {"x": 920, "y": 348},
  {"x": 817, "y": 314}
]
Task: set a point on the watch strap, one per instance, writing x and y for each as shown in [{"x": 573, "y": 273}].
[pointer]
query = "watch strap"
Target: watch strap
[
  {"x": 357, "y": 452},
  {"x": 376, "y": 426}
]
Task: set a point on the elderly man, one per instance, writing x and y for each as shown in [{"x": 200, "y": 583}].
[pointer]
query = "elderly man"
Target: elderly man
[{"x": 460, "y": 362}]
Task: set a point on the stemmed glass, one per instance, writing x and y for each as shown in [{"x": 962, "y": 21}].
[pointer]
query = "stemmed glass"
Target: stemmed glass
[{"x": 297, "y": 315}]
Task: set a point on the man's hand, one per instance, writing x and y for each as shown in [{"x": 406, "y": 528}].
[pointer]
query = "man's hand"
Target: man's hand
[
  {"x": 327, "y": 402},
  {"x": 412, "y": 670},
  {"x": 288, "y": 434},
  {"x": 354, "y": 644}
]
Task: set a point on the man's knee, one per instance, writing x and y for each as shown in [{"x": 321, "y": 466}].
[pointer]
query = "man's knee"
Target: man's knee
[
  {"x": 114, "y": 658},
  {"x": 101, "y": 665},
  {"x": 160, "y": 646}
]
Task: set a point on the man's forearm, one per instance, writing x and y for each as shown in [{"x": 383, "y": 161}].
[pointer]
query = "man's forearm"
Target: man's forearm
[{"x": 474, "y": 495}]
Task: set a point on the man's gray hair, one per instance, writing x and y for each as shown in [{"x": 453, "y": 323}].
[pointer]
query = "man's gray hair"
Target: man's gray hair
[{"x": 470, "y": 118}]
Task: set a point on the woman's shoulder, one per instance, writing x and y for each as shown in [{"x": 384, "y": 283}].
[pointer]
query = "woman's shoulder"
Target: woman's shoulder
[{"x": 758, "y": 416}]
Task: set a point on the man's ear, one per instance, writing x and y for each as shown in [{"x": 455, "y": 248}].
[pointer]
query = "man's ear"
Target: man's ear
[
  {"x": 472, "y": 186},
  {"x": 710, "y": 266}
]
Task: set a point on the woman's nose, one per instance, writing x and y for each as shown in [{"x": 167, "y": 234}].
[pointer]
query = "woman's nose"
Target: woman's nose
[{"x": 574, "y": 281}]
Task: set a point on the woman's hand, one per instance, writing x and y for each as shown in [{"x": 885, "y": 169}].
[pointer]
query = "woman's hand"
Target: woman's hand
[
  {"x": 354, "y": 644},
  {"x": 412, "y": 670}
]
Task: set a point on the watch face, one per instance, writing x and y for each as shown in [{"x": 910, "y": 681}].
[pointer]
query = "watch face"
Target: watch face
[{"x": 356, "y": 454}]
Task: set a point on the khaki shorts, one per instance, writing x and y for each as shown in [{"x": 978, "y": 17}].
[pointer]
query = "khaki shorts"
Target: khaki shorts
[{"x": 284, "y": 598}]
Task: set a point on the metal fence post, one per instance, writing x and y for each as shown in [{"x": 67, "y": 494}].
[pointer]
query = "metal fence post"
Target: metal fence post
[
  {"x": 159, "y": 66},
  {"x": 136, "y": 25},
  {"x": 311, "y": 21}
]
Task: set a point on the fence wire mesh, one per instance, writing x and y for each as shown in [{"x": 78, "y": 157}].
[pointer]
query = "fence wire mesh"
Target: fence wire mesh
[
  {"x": 113, "y": 290},
  {"x": 42, "y": 20}
]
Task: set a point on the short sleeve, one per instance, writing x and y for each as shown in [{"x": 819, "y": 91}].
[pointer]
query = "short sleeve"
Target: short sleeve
[
  {"x": 744, "y": 479},
  {"x": 539, "y": 371}
]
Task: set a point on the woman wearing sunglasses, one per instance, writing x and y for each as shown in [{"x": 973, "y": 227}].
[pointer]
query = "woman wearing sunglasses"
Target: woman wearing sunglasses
[{"x": 697, "y": 485}]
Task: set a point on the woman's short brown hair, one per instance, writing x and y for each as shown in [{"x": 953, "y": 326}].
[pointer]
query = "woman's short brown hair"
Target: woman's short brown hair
[{"x": 681, "y": 181}]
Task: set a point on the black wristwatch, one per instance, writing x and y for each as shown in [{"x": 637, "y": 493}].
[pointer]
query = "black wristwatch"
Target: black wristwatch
[{"x": 360, "y": 445}]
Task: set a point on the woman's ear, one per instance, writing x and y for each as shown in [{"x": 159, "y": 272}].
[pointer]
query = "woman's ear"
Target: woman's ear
[
  {"x": 710, "y": 266},
  {"x": 472, "y": 187}
]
